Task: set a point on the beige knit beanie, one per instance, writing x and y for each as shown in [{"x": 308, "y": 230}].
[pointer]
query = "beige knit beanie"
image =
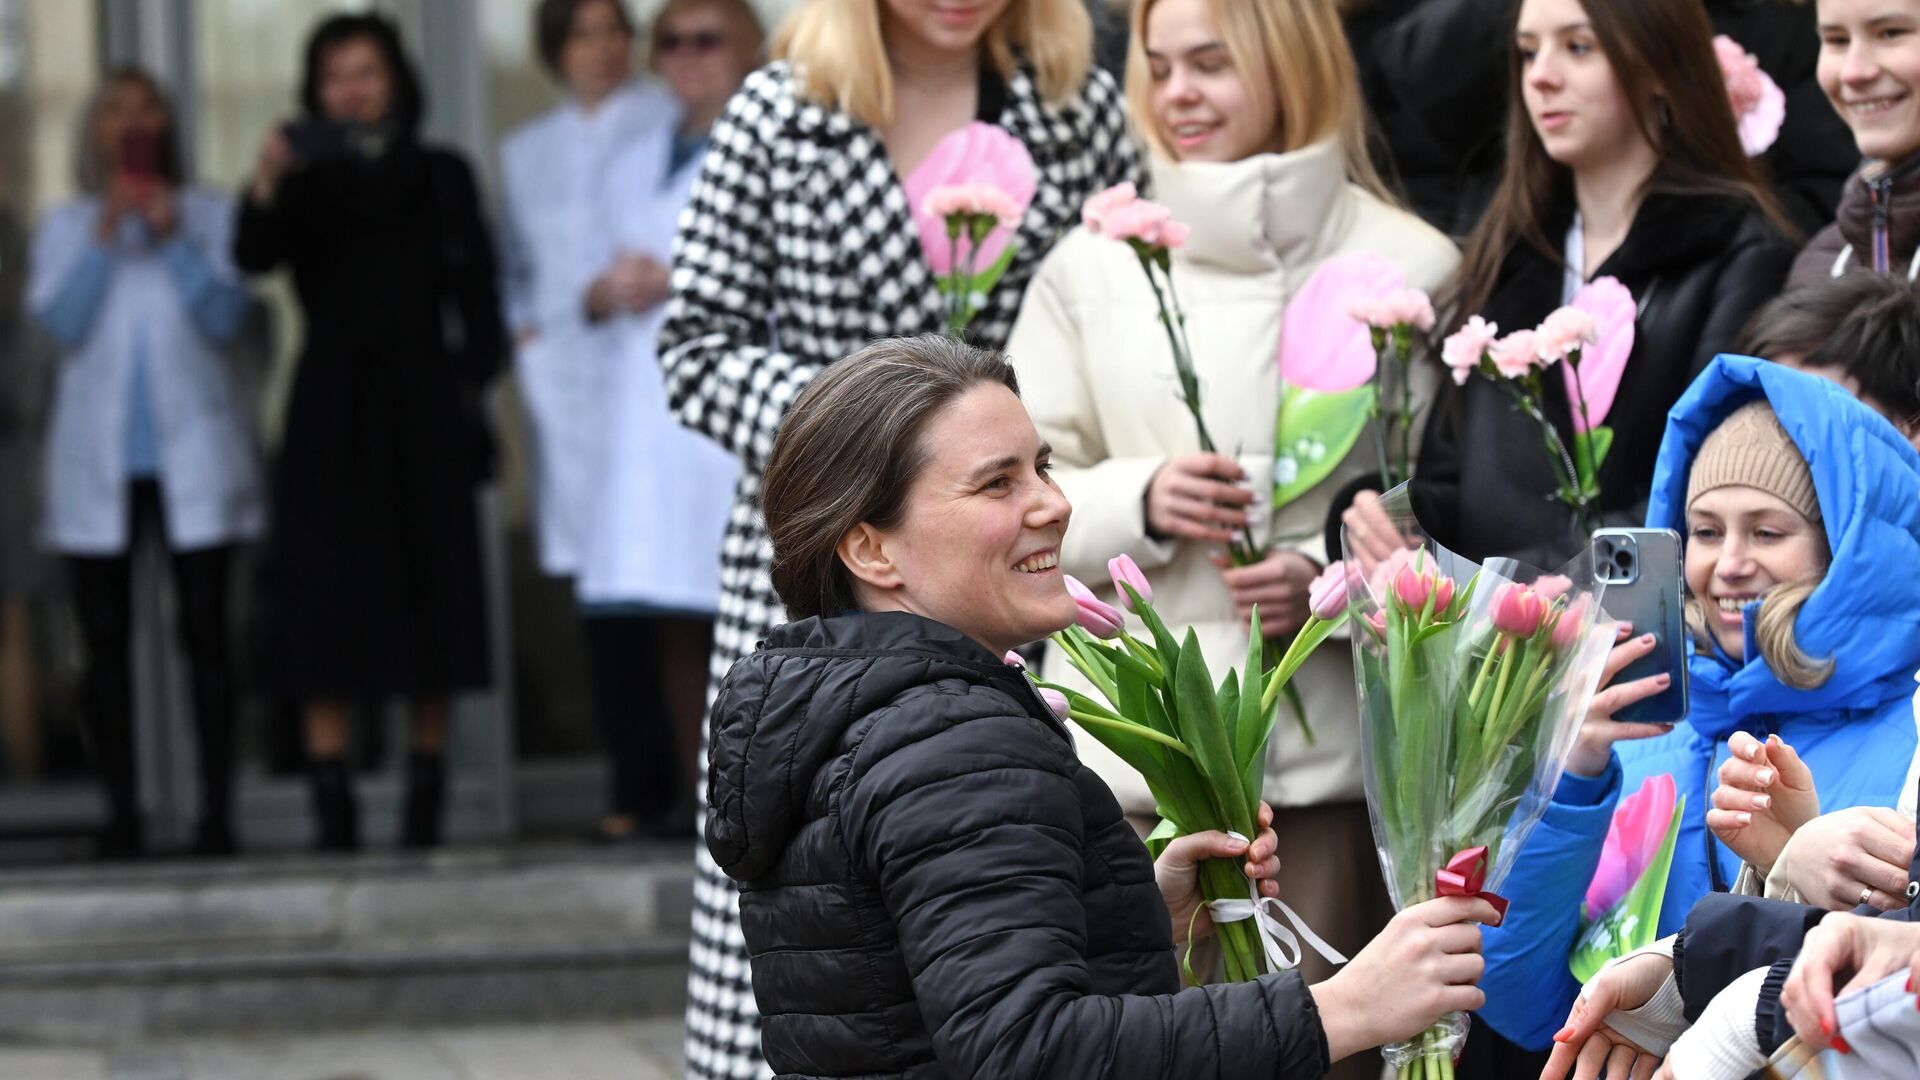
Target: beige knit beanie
[{"x": 1751, "y": 449}]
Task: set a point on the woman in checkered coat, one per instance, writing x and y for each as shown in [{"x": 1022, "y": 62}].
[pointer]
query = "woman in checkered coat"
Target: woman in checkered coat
[{"x": 799, "y": 246}]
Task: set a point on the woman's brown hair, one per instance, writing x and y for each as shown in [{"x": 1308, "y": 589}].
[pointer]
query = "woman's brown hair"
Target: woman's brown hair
[
  {"x": 849, "y": 451},
  {"x": 93, "y": 163},
  {"x": 1662, "y": 55}
]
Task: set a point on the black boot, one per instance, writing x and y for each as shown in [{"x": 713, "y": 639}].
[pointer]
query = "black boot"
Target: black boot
[
  {"x": 426, "y": 799},
  {"x": 336, "y": 817}
]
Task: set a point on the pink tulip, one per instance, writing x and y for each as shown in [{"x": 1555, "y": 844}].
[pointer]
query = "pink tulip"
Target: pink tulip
[
  {"x": 1124, "y": 572},
  {"x": 1515, "y": 355},
  {"x": 1056, "y": 701},
  {"x": 1572, "y": 623},
  {"x": 1553, "y": 586},
  {"x": 1015, "y": 660},
  {"x": 1602, "y": 364},
  {"x": 1097, "y": 209},
  {"x": 1377, "y": 622},
  {"x": 1517, "y": 611},
  {"x": 1412, "y": 587},
  {"x": 1639, "y": 827},
  {"x": 1323, "y": 345},
  {"x": 1564, "y": 332},
  {"x": 1095, "y": 616},
  {"x": 1466, "y": 347},
  {"x": 1327, "y": 596},
  {"x": 983, "y": 158}
]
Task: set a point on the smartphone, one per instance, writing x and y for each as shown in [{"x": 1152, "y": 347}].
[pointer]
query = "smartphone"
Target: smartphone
[
  {"x": 315, "y": 138},
  {"x": 140, "y": 155},
  {"x": 1641, "y": 569}
]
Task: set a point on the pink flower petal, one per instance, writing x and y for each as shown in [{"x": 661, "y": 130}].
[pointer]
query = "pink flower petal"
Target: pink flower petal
[
  {"x": 1322, "y": 346},
  {"x": 980, "y": 155},
  {"x": 1639, "y": 827},
  {"x": 1604, "y": 362}
]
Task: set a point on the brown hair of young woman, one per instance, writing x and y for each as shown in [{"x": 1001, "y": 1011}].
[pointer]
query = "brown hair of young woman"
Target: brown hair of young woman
[
  {"x": 849, "y": 451},
  {"x": 1662, "y": 55}
]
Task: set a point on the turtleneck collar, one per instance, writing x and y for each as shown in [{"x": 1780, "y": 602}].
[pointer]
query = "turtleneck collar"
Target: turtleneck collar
[{"x": 1259, "y": 213}]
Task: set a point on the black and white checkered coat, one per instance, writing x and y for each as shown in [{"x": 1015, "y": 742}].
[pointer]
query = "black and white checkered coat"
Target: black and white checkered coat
[{"x": 797, "y": 248}]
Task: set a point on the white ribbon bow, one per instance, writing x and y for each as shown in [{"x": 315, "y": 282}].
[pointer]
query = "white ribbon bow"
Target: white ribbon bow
[{"x": 1282, "y": 945}]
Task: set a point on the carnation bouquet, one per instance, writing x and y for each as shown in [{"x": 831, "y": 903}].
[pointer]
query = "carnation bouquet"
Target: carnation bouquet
[
  {"x": 1473, "y": 681},
  {"x": 968, "y": 197}
]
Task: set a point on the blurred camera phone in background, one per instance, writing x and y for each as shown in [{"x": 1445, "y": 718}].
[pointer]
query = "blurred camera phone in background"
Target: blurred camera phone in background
[
  {"x": 1641, "y": 569},
  {"x": 315, "y": 138},
  {"x": 139, "y": 162}
]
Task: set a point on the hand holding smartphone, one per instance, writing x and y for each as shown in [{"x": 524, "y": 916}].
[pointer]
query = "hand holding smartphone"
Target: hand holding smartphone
[{"x": 1645, "y": 586}]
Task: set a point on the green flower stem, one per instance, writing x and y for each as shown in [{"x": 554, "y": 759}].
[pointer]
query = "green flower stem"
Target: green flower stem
[
  {"x": 1131, "y": 728},
  {"x": 1078, "y": 657}
]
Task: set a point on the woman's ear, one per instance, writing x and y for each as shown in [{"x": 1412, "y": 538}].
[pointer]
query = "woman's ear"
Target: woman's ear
[{"x": 864, "y": 552}]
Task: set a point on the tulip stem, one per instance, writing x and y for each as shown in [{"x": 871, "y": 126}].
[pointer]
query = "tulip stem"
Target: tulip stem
[{"x": 1082, "y": 717}]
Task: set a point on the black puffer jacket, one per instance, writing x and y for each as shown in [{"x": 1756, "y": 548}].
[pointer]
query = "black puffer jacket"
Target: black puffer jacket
[
  {"x": 1697, "y": 266},
  {"x": 932, "y": 885}
]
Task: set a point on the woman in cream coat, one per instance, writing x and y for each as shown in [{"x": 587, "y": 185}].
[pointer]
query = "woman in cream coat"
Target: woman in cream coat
[{"x": 1271, "y": 191}]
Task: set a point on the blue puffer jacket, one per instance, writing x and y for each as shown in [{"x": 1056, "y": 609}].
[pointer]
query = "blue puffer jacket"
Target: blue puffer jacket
[{"x": 1857, "y": 732}]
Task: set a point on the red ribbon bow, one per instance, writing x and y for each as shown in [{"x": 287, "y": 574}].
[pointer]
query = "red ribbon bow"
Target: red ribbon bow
[{"x": 1464, "y": 875}]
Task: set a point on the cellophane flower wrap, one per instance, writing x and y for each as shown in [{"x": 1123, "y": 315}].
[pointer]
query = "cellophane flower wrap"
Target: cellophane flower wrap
[
  {"x": 1473, "y": 681},
  {"x": 1622, "y": 910},
  {"x": 1200, "y": 745}
]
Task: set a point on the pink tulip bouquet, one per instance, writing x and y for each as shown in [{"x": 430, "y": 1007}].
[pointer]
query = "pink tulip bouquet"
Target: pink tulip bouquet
[
  {"x": 1591, "y": 338},
  {"x": 968, "y": 198},
  {"x": 1473, "y": 683},
  {"x": 1201, "y": 746},
  {"x": 1148, "y": 228},
  {"x": 1622, "y": 908},
  {"x": 1340, "y": 337}
]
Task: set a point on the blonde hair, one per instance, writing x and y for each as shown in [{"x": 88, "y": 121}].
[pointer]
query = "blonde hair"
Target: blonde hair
[
  {"x": 1292, "y": 54},
  {"x": 1773, "y": 632},
  {"x": 837, "y": 52}
]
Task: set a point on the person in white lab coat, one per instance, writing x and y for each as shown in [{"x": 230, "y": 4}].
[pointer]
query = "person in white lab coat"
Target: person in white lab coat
[
  {"x": 133, "y": 281},
  {"x": 630, "y": 505}
]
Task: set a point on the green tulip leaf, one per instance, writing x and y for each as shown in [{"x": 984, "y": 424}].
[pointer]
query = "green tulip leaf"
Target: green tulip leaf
[{"x": 1313, "y": 435}]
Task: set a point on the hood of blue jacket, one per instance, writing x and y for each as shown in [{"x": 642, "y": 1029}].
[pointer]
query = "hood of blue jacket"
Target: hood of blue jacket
[{"x": 1866, "y": 614}]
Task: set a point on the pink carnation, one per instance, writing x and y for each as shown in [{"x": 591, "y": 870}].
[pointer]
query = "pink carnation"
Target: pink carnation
[
  {"x": 1465, "y": 348},
  {"x": 976, "y": 200},
  {"x": 1742, "y": 74},
  {"x": 1148, "y": 222},
  {"x": 1099, "y": 208},
  {"x": 1516, "y": 354},
  {"x": 1563, "y": 332},
  {"x": 1401, "y": 307}
]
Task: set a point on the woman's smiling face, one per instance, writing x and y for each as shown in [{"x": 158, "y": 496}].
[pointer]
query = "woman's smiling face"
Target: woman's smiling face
[
  {"x": 978, "y": 546},
  {"x": 1742, "y": 543}
]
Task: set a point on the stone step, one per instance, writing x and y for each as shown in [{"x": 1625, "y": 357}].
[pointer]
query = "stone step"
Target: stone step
[{"x": 103, "y": 954}]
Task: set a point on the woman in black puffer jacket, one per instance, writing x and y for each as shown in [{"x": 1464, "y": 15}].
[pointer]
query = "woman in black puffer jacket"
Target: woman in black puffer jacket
[{"x": 931, "y": 884}]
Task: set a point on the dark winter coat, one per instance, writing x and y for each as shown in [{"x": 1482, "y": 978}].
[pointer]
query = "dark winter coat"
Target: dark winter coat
[
  {"x": 932, "y": 885},
  {"x": 1697, "y": 266},
  {"x": 376, "y": 583},
  {"x": 1879, "y": 200},
  {"x": 1727, "y": 936}
]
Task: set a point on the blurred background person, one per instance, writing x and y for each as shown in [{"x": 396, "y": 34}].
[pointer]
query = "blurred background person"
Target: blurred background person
[
  {"x": 800, "y": 245},
  {"x": 377, "y": 587},
  {"x": 631, "y": 504},
  {"x": 149, "y": 435}
]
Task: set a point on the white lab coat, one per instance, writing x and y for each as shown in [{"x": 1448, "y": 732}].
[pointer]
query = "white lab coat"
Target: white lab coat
[
  {"x": 556, "y": 208},
  {"x": 210, "y": 478},
  {"x": 664, "y": 493}
]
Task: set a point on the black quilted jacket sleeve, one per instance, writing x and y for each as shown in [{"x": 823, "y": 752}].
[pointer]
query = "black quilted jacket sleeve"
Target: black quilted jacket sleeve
[{"x": 975, "y": 834}]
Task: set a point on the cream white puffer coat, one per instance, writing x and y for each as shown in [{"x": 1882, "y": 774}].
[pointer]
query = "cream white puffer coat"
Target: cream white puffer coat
[{"x": 1097, "y": 375}]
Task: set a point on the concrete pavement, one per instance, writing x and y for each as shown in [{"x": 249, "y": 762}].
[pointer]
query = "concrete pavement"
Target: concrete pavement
[{"x": 627, "y": 1050}]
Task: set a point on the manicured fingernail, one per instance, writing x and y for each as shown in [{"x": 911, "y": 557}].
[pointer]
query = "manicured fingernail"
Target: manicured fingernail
[
  {"x": 1765, "y": 776},
  {"x": 1751, "y": 753},
  {"x": 1826, "y": 1027},
  {"x": 1744, "y": 818},
  {"x": 1840, "y": 1044},
  {"x": 1646, "y": 639},
  {"x": 1762, "y": 802},
  {"x": 1909, "y": 984},
  {"x": 1662, "y": 679},
  {"x": 1561, "y": 1035}
]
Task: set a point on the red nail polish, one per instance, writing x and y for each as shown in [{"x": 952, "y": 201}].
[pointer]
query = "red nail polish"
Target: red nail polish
[
  {"x": 1561, "y": 1035},
  {"x": 1840, "y": 1044},
  {"x": 1826, "y": 1027},
  {"x": 1909, "y": 984}
]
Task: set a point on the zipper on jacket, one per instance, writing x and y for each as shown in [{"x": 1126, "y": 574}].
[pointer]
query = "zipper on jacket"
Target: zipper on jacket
[{"x": 1880, "y": 198}]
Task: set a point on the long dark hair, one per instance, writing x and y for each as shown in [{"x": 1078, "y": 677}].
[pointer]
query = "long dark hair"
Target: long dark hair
[
  {"x": 409, "y": 102},
  {"x": 849, "y": 450},
  {"x": 1662, "y": 54}
]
